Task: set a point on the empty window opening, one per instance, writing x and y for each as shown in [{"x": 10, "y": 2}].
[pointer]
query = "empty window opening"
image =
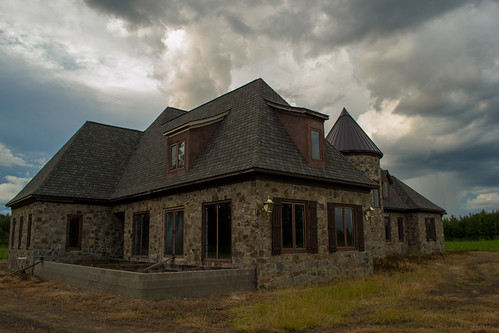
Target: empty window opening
[
  {"x": 174, "y": 233},
  {"x": 73, "y": 232},
  {"x": 141, "y": 234},
  {"x": 217, "y": 230}
]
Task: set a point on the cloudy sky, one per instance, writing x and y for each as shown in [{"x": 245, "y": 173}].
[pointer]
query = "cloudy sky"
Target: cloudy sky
[{"x": 421, "y": 77}]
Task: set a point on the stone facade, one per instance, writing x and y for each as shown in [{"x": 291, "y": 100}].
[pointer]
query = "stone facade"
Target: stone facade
[
  {"x": 105, "y": 236},
  {"x": 251, "y": 232},
  {"x": 414, "y": 227},
  {"x": 107, "y": 231},
  {"x": 369, "y": 165},
  {"x": 102, "y": 233}
]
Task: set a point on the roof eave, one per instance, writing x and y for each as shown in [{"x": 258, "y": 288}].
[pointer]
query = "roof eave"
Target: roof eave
[
  {"x": 363, "y": 152},
  {"x": 298, "y": 110},
  {"x": 415, "y": 210},
  {"x": 246, "y": 172}
]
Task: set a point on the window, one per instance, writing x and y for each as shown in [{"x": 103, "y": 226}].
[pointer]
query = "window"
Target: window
[
  {"x": 388, "y": 229},
  {"x": 174, "y": 232},
  {"x": 400, "y": 224},
  {"x": 430, "y": 229},
  {"x": 376, "y": 197},
  {"x": 13, "y": 234},
  {"x": 217, "y": 230},
  {"x": 21, "y": 222},
  {"x": 345, "y": 227},
  {"x": 177, "y": 154},
  {"x": 140, "y": 234},
  {"x": 73, "y": 232},
  {"x": 386, "y": 189},
  {"x": 28, "y": 232},
  {"x": 294, "y": 226},
  {"x": 316, "y": 145}
]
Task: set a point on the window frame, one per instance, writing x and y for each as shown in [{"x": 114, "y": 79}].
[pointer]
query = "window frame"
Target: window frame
[
  {"x": 376, "y": 198},
  {"x": 28, "y": 232},
  {"x": 176, "y": 147},
  {"x": 400, "y": 227},
  {"x": 203, "y": 240},
  {"x": 20, "y": 239},
  {"x": 319, "y": 132},
  {"x": 388, "y": 228},
  {"x": 332, "y": 229},
  {"x": 13, "y": 235},
  {"x": 386, "y": 188},
  {"x": 173, "y": 211},
  {"x": 68, "y": 231},
  {"x": 295, "y": 249},
  {"x": 134, "y": 226},
  {"x": 431, "y": 233}
]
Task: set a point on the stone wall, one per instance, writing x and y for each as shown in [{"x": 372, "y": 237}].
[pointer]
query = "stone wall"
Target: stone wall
[
  {"x": 369, "y": 165},
  {"x": 414, "y": 234},
  {"x": 251, "y": 232},
  {"x": 102, "y": 233},
  {"x": 423, "y": 245},
  {"x": 396, "y": 246},
  {"x": 105, "y": 235}
]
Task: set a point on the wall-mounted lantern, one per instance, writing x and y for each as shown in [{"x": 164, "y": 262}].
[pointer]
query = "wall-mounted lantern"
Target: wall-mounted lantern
[
  {"x": 368, "y": 213},
  {"x": 268, "y": 205}
]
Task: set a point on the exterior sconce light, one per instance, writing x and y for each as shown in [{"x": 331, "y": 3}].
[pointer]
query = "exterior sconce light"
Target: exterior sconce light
[
  {"x": 267, "y": 208},
  {"x": 368, "y": 213}
]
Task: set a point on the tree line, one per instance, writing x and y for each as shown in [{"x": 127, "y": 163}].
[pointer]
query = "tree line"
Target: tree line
[
  {"x": 483, "y": 225},
  {"x": 4, "y": 230}
]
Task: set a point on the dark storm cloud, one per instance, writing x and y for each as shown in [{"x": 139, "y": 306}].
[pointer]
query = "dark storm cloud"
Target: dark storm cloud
[
  {"x": 346, "y": 22},
  {"x": 435, "y": 60}
]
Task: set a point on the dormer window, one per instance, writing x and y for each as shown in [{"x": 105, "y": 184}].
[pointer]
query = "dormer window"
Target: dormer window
[
  {"x": 306, "y": 128},
  {"x": 316, "y": 144},
  {"x": 177, "y": 153},
  {"x": 386, "y": 189}
]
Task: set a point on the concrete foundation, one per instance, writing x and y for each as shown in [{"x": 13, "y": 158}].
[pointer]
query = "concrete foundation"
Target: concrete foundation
[{"x": 154, "y": 286}]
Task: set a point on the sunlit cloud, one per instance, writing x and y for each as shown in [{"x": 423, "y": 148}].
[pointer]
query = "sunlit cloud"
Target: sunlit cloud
[
  {"x": 486, "y": 198},
  {"x": 14, "y": 185},
  {"x": 9, "y": 159}
]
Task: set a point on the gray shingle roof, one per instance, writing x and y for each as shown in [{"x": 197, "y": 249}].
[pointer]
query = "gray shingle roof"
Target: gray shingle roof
[
  {"x": 404, "y": 198},
  {"x": 88, "y": 166},
  {"x": 348, "y": 137},
  {"x": 250, "y": 137},
  {"x": 107, "y": 163}
]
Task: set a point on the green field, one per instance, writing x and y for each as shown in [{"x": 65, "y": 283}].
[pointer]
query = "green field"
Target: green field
[
  {"x": 4, "y": 251},
  {"x": 467, "y": 245}
]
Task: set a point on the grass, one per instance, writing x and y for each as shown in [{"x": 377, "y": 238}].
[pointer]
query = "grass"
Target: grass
[
  {"x": 467, "y": 245},
  {"x": 334, "y": 305},
  {"x": 4, "y": 251},
  {"x": 404, "y": 294}
]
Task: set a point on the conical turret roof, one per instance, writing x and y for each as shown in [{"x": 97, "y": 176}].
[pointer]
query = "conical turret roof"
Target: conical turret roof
[{"x": 348, "y": 137}]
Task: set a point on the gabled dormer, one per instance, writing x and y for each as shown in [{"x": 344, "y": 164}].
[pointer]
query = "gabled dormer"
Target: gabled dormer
[
  {"x": 306, "y": 129},
  {"x": 187, "y": 141}
]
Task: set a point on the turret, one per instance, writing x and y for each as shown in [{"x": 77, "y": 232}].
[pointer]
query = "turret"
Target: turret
[{"x": 351, "y": 140}]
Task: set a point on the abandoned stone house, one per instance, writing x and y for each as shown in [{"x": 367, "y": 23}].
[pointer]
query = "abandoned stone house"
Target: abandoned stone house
[{"x": 193, "y": 185}]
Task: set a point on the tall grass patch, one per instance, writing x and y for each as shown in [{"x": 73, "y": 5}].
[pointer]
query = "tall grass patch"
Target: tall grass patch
[
  {"x": 470, "y": 245},
  {"x": 327, "y": 306},
  {"x": 4, "y": 252}
]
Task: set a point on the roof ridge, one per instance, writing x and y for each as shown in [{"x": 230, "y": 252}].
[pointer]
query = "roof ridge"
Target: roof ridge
[
  {"x": 108, "y": 125},
  {"x": 227, "y": 93}
]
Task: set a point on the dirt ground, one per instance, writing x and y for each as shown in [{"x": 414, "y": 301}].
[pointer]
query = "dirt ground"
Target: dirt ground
[{"x": 30, "y": 304}]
